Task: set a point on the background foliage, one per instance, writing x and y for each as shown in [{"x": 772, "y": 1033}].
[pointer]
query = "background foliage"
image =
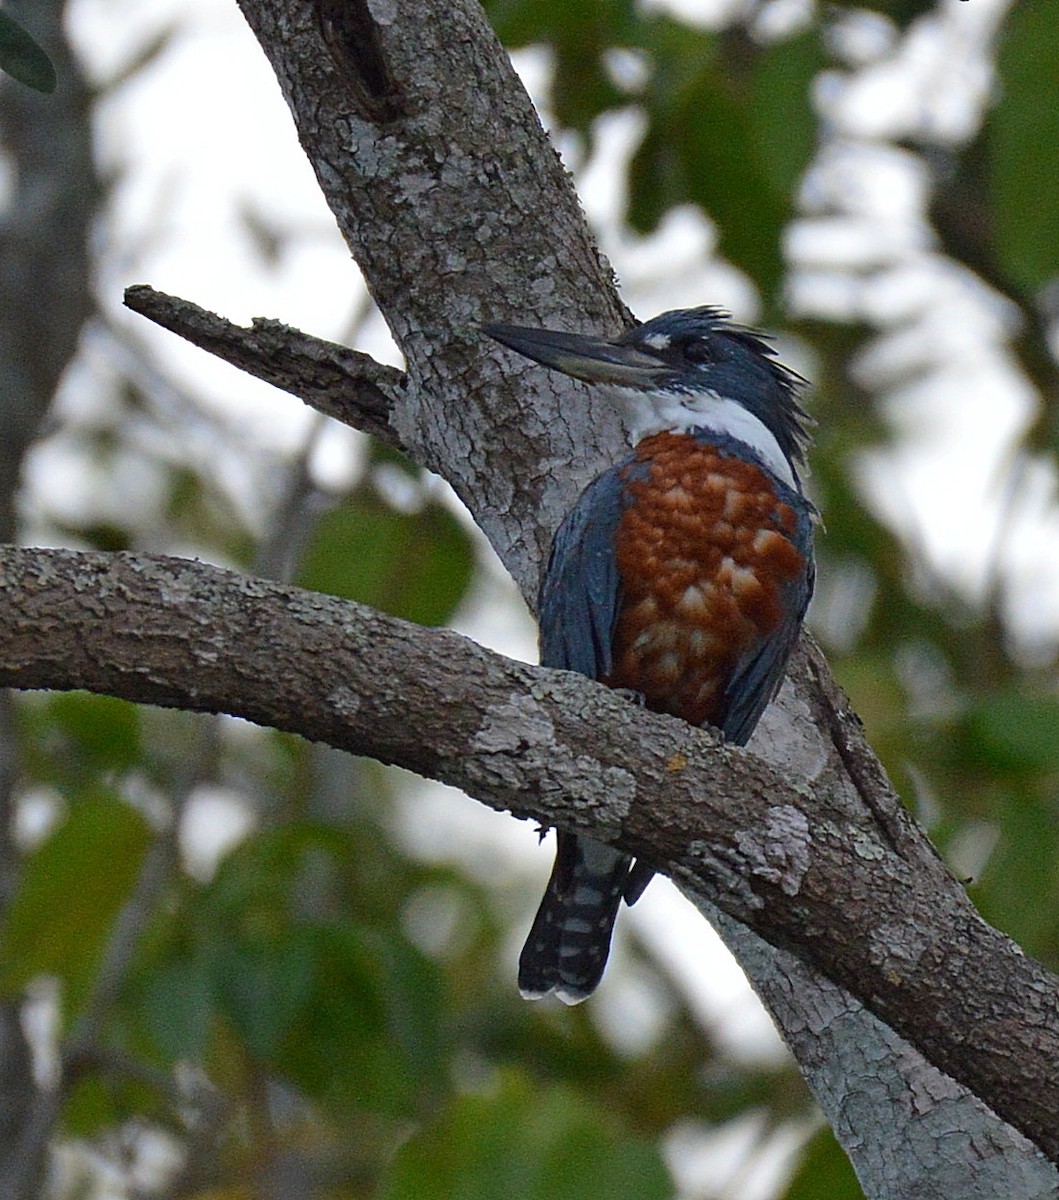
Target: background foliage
[{"x": 317, "y": 1010}]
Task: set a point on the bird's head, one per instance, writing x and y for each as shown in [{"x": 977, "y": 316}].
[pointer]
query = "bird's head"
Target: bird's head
[{"x": 684, "y": 369}]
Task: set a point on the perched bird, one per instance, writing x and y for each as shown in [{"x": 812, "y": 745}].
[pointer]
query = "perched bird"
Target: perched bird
[{"x": 681, "y": 574}]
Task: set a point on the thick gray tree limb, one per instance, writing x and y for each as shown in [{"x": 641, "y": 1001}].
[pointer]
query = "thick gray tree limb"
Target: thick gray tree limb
[
  {"x": 805, "y": 865},
  {"x": 458, "y": 211}
]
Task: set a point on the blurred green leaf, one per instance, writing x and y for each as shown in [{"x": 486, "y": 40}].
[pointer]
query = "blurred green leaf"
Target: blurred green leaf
[
  {"x": 347, "y": 1010},
  {"x": 23, "y": 59},
  {"x": 264, "y": 988},
  {"x": 1019, "y": 890},
  {"x": 533, "y": 1143},
  {"x": 71, "y": 890},
  {"x": 824, "y": 1173},
  {"x": 782, "y": 123},
  {"x": 370, "y": 1036},
  {"x": 1023, "y": 139},
  {"x": 99, "y": 535},
  {"x": 101, "y": 733},
  {"x": 729, "y": 130},
  {"x": 412, "y": 565},
  {"x": 1013, "y": 733},
  {"x": 255, "y": 891},
  {"x": 89, "y": 1107},
  {"x": 729, "y": 123},
  {"x": 592, "y": 25},
  {"x": 97, "y": 1104},
  {"x": 580, "y": 35},
  {"x": 174, "y": 1002},
  {"x": 78, "y": 742}
]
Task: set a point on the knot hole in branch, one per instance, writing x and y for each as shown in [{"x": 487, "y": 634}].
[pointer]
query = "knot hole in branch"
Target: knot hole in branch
[{"x": 350, "y": 31}]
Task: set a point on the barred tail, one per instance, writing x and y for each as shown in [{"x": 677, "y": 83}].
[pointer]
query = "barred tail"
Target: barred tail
[{"x": 568, "y": 944}]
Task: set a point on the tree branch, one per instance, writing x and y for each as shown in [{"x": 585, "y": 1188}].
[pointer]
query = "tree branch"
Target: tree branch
[
  {"x": 807, "y": 867},
  {"x": 341, "y": 383},
  {"x": 939, "y": 1140}
]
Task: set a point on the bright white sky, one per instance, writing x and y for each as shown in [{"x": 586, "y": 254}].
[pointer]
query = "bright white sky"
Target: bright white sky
[{"x": 202, "y": 138}]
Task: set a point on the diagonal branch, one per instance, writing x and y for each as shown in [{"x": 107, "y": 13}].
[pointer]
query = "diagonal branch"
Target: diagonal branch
[
  {"x": 341, "y": 383},
  {"x": 801, "y": 866}
]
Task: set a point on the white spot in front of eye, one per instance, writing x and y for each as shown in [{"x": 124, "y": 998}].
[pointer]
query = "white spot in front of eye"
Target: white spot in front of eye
[{"x": 658, "y": 341}]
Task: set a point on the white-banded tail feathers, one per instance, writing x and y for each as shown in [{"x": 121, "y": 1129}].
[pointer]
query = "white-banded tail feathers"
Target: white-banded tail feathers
[{"x": 568, "y": 945}]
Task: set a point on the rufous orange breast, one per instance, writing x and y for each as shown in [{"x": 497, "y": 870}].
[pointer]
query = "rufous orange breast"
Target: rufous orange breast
[{"x": 705, "y": 554}]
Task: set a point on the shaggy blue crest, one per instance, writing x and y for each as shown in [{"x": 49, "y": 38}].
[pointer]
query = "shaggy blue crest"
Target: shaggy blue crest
[{"x": 702, "y": 349}]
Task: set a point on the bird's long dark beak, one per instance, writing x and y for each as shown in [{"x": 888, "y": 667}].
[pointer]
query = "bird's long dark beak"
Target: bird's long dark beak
[{"x": 593, "y": 359}]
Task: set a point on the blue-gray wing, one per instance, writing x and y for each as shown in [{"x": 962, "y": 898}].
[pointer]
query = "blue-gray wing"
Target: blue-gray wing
[
  {"x": 757, "y": 677},
  {"x": 580, "y": 592},
  {"x": 568, "y": 945}
]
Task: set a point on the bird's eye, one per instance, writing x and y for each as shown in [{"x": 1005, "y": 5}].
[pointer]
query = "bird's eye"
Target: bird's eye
[{"x": 699, "y": 350}]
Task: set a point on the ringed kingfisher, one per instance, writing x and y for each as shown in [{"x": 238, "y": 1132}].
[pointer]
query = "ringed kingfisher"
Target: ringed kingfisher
[{"x": 681, "y": 575}]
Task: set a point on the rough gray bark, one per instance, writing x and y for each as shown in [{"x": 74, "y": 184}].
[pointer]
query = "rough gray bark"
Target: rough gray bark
[{"x": 830, "y": 872}]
